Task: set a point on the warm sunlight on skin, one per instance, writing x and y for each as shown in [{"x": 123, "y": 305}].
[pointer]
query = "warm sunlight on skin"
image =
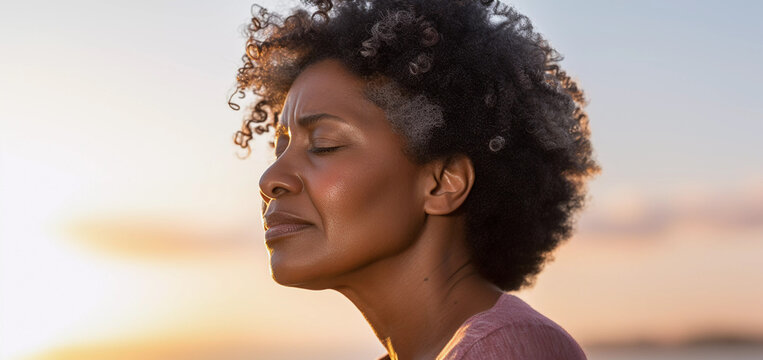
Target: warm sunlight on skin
[
  {"x": 129, "y": 229},
  {"x": 100, "y": 281},
  {"x": 83, "y": 281}
]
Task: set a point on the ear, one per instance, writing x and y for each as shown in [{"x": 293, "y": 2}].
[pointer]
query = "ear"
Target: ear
[{"x": 448, "y": 184}]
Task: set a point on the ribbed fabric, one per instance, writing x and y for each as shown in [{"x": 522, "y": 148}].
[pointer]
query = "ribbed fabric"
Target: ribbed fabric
[{"x": 510, "y": 330}]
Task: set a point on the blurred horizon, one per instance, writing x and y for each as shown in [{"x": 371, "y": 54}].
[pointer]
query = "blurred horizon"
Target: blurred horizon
[{"x": 130, "y": 228}]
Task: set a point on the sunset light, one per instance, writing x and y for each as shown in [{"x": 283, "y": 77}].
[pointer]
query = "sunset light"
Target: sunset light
[{"x": 130, "y": 228}]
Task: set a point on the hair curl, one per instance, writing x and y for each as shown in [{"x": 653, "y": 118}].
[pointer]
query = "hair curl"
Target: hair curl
[{"x": 503, "y": 100}]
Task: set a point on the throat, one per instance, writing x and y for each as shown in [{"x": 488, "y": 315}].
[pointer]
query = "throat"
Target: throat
[
  {"x": 416, "y": 300},
  {"x": 416, "y": 319}
]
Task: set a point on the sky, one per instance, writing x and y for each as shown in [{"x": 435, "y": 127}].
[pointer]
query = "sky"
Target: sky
[{"x": 129, "y": 226}]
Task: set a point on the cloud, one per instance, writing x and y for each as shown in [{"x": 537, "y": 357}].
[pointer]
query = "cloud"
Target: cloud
[
  {"x": 161, "y": 238},
  {"x": 637, "y": 213}
]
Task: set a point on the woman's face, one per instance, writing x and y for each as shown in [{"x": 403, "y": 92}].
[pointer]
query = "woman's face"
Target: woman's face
[{"x": 341, "y": 194}]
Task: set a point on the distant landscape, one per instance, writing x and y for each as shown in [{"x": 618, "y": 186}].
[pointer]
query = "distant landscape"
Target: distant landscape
[
  {"x": 704, "y": 340},
  {"x": 705, "y": 347}
]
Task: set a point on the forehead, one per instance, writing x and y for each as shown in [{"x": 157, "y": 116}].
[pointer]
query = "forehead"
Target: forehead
[{"x": 326, "y": 87}]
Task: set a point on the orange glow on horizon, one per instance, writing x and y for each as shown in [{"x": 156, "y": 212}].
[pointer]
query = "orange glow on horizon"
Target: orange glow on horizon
[{"x": 130, "y": 229}]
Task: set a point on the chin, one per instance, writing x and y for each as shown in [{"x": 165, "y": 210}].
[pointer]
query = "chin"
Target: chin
[
  {"x": 296, "y": 282},
  {"x": 297, "y": 277}
]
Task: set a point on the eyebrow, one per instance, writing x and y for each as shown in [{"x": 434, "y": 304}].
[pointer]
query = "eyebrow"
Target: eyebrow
[{"x": 308, "y": 120}]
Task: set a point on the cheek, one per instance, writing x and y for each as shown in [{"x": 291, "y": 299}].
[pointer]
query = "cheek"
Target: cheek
[
  {"x": 368, "y": 209},
  {"x": 367, "y": 212}
]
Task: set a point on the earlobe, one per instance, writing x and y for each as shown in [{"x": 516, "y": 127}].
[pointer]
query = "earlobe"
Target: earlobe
[{"x": 450, "y": 182}]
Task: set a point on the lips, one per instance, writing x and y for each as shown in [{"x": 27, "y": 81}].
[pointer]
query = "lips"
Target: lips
[{"x": 279, "y": 224}]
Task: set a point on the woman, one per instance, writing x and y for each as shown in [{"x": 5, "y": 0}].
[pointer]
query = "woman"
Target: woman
[{"x": 430, "y": 156}]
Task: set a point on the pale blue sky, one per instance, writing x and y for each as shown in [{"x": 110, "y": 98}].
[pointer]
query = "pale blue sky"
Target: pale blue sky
[
  {"x": 118, "y": 109},
  {"x": 674, "y": 86}
]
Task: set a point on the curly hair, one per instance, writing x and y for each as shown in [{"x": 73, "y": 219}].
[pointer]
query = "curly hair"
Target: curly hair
[{"x": 493, "y": 90}]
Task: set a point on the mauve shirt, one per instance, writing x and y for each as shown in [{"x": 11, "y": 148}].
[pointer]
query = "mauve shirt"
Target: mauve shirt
[{"x": 510, "y": 330}]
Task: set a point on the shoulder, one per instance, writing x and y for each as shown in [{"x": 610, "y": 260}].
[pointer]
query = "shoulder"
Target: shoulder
[
  {"x": 511, "y": 330},
  {"x": 525, "y": 341}
]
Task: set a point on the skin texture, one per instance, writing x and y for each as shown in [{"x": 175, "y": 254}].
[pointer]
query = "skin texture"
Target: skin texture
[
  {"x": 493, "y": 79},
  {"x": 386, "y": 232}
]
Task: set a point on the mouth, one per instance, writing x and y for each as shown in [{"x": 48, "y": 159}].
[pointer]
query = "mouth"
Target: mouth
[{"x": 283, "y": 230}]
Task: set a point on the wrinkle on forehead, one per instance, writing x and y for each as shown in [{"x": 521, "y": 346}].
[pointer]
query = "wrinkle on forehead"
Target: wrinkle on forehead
[
  {"x": 320, "y": 78},
  {"x": 411, "y": 116}
]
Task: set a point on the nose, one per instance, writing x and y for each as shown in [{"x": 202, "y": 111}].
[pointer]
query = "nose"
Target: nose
[{"x": 279, "y": 179}]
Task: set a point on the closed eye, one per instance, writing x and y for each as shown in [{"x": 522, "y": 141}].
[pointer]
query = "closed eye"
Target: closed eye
[{"x": 323, "y": 150}]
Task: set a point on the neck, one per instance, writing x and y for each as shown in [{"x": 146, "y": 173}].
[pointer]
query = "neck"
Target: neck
[{"x": 416, "y": 300}]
